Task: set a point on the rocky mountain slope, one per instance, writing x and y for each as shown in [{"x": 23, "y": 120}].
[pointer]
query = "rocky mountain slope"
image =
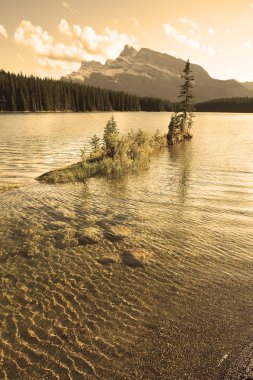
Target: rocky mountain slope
[
  {"x": 149, "y": 73},
  {"x": 248, "y": 85}
]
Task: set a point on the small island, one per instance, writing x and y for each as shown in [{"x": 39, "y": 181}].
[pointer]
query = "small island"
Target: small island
[
  {"x": 181, "y": 122},
  {"x": 8, "y": 186},
  {"x": 117, "y": 155}
]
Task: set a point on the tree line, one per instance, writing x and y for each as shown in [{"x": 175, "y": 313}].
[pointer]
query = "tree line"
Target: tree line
[
  {"x": 28, "y": 93},
  {"x": 226, "y": 105}
]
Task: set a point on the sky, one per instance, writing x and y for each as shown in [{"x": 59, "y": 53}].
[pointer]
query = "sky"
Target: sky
[{"x": 52, "y": 37}]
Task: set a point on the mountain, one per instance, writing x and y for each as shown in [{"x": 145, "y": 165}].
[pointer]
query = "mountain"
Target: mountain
[
  {"x": 149, "y": 73},
  {"x": 248, "y": 85}
]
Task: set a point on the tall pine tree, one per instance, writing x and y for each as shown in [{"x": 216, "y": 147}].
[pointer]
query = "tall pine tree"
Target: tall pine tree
[
  {"x": 181, "y": 122},
  {"x": 186, "y": 105}
]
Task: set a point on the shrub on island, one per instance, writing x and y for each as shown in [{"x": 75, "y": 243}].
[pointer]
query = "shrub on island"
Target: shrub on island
[{"x": 115, "y": 156}]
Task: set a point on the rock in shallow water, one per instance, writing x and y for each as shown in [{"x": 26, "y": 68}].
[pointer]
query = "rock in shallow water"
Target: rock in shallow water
[
  {"x": 117, "y": 232},
  {"x": 65, "y": 238},
  {"x": 120, "y": 229},
  {"x": 90, "y": 235},
  {"x": 136, "y": 257},
  {"x": 112, "y": 237},
  {"x": 106, "y": 260},
  {"x": 57, "y": 224},
  {"x": 29, "y": 250}
]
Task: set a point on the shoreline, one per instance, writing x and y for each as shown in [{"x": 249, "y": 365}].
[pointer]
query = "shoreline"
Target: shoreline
[
  {"x": 116, "y": 111},
  {"x": 239, "y": 364}
]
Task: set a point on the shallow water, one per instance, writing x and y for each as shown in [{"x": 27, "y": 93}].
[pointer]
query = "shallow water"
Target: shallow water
[{"x": 66, "y": 316}]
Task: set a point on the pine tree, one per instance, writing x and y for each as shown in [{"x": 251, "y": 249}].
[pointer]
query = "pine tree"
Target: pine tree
[
  {"x": 95, "y": 143},
  {"x": 23, "y": 104},
  {"x": 181, "y": 122},
  {"x": 110, "y": 137},
  {"x": 186, "y": 105},
  {"x": 3, "y": 102}
]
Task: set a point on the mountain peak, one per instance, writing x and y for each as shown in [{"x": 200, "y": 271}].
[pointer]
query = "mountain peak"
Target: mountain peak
[
  {"x": 150, "y": 73},
  {"x": 128, "y": 51}
]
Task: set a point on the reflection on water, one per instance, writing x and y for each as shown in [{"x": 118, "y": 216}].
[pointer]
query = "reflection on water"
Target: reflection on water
[
  {"x": 64, "y": 315},
  {"x": 183, "y": 154},
  {"x": 32, "y": 144}
]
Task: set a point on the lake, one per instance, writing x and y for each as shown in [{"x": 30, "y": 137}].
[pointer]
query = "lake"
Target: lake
[{"x": 182, "y": 316}]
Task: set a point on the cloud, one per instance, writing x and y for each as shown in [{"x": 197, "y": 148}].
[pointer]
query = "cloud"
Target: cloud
[
  {"x": 33, "y": 36},
  {"x": 170, "y": 30},
  {"x": 233, "y": 72},
  {"x": 58, "y": 64},
  {"x": 3, "y": 32},
  {"x": 208, "y": 49},
  {"x": 109, "y": 44},
  {"x": 64, "y": 28},
  {"x": 193, "y": 43},
  {"x": 136, "y": 22},
  {"x": 85, "y": 44},
  {"x": 66, "y": 5},
  {"x": 45, "y": 74},
  {"x": 211, "y": 32},
  {"x": 193, "y": 32},
  {"x": 183, "y": 38},
  {"x": 247, "y": 44},
  {"x": 193, "y": 24}
]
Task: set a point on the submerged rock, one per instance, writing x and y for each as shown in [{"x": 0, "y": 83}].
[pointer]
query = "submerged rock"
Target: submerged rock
[
  {"x": 136, "y": 257},
  {"x": 107, "y": 260},
  {"x": 89, "y": 235},
  {"x": 120, "y": 230},
  {"x": 112, "y": 237},
  {"x": 65, "y": 238},
  {"x": 29, "y": 250},
  {"x": 57, "y": 224},
  {"x": 67, "y": 214},
  {"x": 117, "y": 232},
  {"x": 91, "y": 219}
]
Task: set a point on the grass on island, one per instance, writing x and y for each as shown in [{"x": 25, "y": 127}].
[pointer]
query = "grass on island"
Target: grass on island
[
  {"x": 180, "y": 127},
  {"x": 115, "y": 156},
  {"x": 8, "y": 186}
]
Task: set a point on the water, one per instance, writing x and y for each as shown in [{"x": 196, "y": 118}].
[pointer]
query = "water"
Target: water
[{"x": 66, "y": 316}]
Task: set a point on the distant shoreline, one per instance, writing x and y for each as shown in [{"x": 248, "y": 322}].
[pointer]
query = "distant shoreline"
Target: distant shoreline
[{"x": 110, "y": 112}]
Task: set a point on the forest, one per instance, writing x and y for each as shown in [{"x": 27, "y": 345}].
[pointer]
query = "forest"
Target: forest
[
  {"x": 19, "y": 93},
  {"x": 226, "y": 105}
]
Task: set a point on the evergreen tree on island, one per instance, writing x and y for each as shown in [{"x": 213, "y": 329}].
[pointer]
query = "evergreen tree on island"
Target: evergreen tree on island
[{"x": 181, "y": 121}]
